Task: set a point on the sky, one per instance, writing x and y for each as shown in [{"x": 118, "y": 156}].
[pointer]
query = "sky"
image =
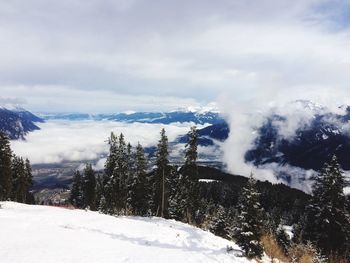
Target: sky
[{"x": 117, "y": 55}]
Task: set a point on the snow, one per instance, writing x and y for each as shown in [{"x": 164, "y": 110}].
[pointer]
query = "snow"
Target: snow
[
  {"x": 34, "y": 234},
  {"x": 11, "y": 107}
]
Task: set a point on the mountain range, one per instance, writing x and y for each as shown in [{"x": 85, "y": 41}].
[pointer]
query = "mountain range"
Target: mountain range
[
  {"x": 17, "y": 122},
  {"x": 143, "y": 117},
  {"x": 311, "y": 145}
]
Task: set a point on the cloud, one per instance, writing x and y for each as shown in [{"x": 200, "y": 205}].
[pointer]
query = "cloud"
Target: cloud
[
  {"x": 190, "y": 51},
  {"x": 63, "y": 99},
  {"x": 116, "y": 55},
  {"x": 244, "y": 125},
  {"x": 12, "y": 101},
  {"x": 59, "y": 141}
]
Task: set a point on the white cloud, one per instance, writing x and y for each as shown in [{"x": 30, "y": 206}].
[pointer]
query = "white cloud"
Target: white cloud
[
  {"x": 161, "y": 50},
  {"x": 59, "y": 141},
  {"x": 244, "y": 125}
]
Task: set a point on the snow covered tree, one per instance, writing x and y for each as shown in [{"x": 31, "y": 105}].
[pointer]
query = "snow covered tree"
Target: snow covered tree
[
  {"x": 189, "y": 179},
  {"x": 116, "y": 175},
  {"x": 76, "y": 194},
  {"x": 319, "y": 258},
  {"x": 249, "y": 229},
  {"x": 161, "y": 175},
  {"x": 28, "y": 173},
  {"x": 177, "y": 204},
  {"x": 120, "y": 174},
  {"x": 5, "y": 168},
  {"x": 18, "y": 176},
  {"x": 109, "y": 180},
  {"x": 139, "y": 191},
  {"x": 21, "y": 179},
  {"x": 219, "y": 223},
  {"x": 327, "y": 222},
  {"x": 283, "y": 239},
  {"x": 89, "y": 188}
]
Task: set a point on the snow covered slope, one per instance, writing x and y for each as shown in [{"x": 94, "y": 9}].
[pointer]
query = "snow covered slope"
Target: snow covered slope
[{"x": 34, "y": 234}]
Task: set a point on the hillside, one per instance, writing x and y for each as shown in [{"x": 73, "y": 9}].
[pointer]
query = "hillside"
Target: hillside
[
  {"x": 47, "y": 234},
  {"x": 17, "y": 122}
]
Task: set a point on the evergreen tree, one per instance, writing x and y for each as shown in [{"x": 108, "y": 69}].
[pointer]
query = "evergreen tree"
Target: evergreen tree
[
  {"x": 18, "y": 174},
  {"x": 249, "y": 230},
  {"x": 177, "y": 204},
  {"x": 21, "y": 179},
  {"x": 319, "y": 258},
  {"x": 110, "y": 181},
  {"x": 89, "y": 188},
  {"x": 161, "y": 176},
  {"x": 29, "y": 174},
  {"x": 139, "y": 191},
  {"x": 76, "y": 194},
  {"x": 5, "y": 168},
  {"x": 130, "y": 175},
  {"x": 327, "y": 222},
  {"x": 218, "y": 224},
  {"x": 120, "y": 174},
  {"x": 189, "y": 179},
  {"x": 283, "y": 239},
  {"x": 100, "y": 192}
]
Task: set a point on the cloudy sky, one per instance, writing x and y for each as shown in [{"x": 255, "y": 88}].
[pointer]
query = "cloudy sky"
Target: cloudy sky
[{"x": 115, "y": 55}]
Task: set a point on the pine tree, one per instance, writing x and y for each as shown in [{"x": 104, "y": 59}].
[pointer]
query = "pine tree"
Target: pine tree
[
  {"x": 120, "y": 174},
  {"x": 130, "y": 174},
  {"x": 29, "y": 174},
  {"x": 319, "y": 258},
  {"x": 110, "y": 181},
  {"x": 17, "y": 170},
  {"x": 218, "y": 224},
  {"x": 89, "y": 188},
  {"x": 5, "y": 168},
  {"x": 249, "y": 230},
  {"x": 100, "y": 192},
  {"x": 327, "y": 222},
  {"x": 22, "y": 179},
  {"x": 139, "y": 190},
  {"x": 76, "y": 194},
  {"x": 177, "y": 204},
  {"x": 283, "y": 239},
  {"x": 189, "y": 180},
  {"x": 161, "y": 176}
]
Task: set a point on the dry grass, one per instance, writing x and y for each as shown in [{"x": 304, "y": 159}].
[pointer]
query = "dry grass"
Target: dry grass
[
  {"x": 302, "y": 253},
  {"x": 272, "y": 249},
  {"x": 305, "y": 253}
]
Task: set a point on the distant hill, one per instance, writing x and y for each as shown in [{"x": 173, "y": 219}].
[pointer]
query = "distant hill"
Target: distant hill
[
  {"x": 144, "y": 117},
  {"x": 17, "y": 122}
]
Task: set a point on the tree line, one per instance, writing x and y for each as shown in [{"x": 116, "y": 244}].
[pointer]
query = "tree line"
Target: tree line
[
  {"x": 126, "y": 187},
  {"x": 321, "y": 229},
  {"x": 15, "y": 175}
]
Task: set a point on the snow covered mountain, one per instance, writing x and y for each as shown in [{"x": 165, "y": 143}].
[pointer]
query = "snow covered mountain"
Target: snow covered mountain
[
  {"x": 200, "y": 117},
  {"x": 47, "y": 234},
  {"x": 303, "y": 139},
  {"x": 17, "y": 122}
]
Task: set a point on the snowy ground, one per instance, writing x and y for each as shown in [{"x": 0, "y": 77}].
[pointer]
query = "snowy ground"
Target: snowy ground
[{"x": 34, "y": 234}]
